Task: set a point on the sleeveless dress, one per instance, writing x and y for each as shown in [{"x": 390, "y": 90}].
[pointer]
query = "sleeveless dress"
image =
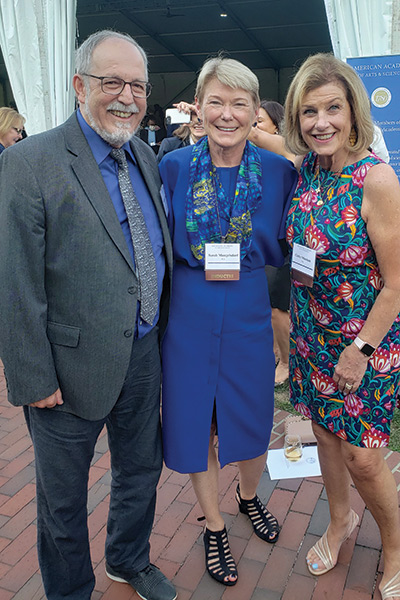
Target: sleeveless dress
[
  {"x": 217, "y": 349},
  {"x": 327, "y": 317}
]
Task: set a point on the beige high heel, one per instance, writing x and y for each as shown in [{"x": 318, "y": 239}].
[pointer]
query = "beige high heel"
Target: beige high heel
[
  {"x": 392, "y": 588},
  {"x": 322, "y": 550}
]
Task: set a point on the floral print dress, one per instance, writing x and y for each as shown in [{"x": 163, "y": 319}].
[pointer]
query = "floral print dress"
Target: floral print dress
[{"x": 329, "y": 315}]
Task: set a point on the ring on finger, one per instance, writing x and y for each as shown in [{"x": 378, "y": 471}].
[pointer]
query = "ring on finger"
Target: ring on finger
[{"x": 348, "y": 386}]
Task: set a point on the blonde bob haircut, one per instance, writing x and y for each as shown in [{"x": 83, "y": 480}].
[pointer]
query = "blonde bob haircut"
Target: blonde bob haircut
[
  {"x": 10, "y": 118},
  {"x": 229, "y": 72},
  {"x": 318, "y": 70}
]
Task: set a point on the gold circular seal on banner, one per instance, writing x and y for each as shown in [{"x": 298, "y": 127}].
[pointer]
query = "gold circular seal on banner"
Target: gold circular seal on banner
[{"x": 381, "y": 97}]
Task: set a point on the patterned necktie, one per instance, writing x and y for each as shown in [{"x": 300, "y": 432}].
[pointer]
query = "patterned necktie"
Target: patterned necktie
[{"x": 143, "y": 250}]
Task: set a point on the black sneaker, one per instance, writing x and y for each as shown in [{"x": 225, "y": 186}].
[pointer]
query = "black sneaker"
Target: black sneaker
[{"x": 149, "y": 584}]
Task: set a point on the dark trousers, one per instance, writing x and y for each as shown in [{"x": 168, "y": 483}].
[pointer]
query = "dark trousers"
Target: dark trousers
[{"x": 64, "y": 447}]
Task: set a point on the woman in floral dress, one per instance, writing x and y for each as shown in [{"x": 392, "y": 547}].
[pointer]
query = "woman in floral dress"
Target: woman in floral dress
[{"x": 344, "y": 232}]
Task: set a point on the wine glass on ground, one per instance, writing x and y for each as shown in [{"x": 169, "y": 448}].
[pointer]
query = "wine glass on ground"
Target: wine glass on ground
[{"x": 293, "y": 448}]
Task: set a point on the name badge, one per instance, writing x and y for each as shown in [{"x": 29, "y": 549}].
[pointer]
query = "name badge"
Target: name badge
[
  {"x": 303, "y": 264},
  {"x": 222, "y": 262}
]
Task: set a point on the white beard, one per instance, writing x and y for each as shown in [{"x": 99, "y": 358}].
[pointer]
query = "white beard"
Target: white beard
[{"x": 122, "y": 132}]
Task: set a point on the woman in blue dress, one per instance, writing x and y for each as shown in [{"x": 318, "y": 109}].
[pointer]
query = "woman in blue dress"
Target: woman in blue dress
[
  {"x": 345, "y": 333},
  {"x": 218, "y": 362}
]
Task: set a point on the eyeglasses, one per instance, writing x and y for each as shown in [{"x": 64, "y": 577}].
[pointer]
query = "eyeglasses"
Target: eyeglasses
[
  {"x": 19, "y": 131},
  {"x": 114, "y": 86}
]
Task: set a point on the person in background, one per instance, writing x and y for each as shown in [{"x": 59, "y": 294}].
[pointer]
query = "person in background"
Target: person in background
[
  {"x": 86, "y": 266},
  {"x": 218, "y": 362},
  {"x": 378, "y": 145},
  {"x": 267, "y": 130},
  {"x": 270, "y": 117},
  {"x": 152, "y": 132},
  {"x": 186, "y": 134},
  {"x": 345, "y": 325},
  {"x": 267, "y": 134},
  {"x": 11, "y": 127}
]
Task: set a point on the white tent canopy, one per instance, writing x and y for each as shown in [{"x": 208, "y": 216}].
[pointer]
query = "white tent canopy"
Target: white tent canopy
[
  {"x": 37, "y": 38},
  {"x": 363, "y": 27}
]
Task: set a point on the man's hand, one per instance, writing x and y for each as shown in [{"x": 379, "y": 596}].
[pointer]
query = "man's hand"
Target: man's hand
[{"x": 49, "y": 402}]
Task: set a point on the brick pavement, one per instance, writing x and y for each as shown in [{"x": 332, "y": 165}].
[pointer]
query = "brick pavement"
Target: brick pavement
[{"x": 267, "y": 572}]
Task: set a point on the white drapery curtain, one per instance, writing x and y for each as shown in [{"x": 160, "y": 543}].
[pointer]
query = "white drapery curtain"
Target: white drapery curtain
[
  {"x": 363, "y": 27},
  {"x": 37, "y": 38}
]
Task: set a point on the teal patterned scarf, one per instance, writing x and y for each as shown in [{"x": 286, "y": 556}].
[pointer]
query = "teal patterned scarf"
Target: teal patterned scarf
[{"x": 206, "y": 201}]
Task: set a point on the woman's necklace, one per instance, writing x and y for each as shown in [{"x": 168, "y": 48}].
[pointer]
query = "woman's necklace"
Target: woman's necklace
[
  {"x": 217, "y": 183},
  {"x": 323, "y": 193},
  {"x": 223, "y": 237}
]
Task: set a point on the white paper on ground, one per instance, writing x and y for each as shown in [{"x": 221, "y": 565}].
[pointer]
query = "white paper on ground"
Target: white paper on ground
[{"x": 281, "y": 468}]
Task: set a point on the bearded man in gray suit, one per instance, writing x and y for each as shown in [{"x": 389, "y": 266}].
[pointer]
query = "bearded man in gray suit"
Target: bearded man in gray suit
[{"x": 77, "y": 352}]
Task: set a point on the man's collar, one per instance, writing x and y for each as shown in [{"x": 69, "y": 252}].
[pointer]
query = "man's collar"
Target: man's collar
[{"x": 100, "y": 148}]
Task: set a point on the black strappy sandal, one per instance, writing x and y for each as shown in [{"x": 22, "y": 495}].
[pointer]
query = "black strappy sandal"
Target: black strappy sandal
[
  {"x": 265, "y": 525},
  {"x": 219, "y": 561}
]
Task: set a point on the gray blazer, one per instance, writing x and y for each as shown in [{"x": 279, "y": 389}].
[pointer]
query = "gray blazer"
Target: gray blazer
[{"x": 68, "y": 289}]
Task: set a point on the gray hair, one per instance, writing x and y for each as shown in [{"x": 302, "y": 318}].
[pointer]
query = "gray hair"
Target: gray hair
[
  {"x": 83, "y": 57},
  {"x": 229, "y": 72}
]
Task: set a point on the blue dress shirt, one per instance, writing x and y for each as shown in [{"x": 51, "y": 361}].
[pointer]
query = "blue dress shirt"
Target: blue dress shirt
[{"x": 109, "y": 171}]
